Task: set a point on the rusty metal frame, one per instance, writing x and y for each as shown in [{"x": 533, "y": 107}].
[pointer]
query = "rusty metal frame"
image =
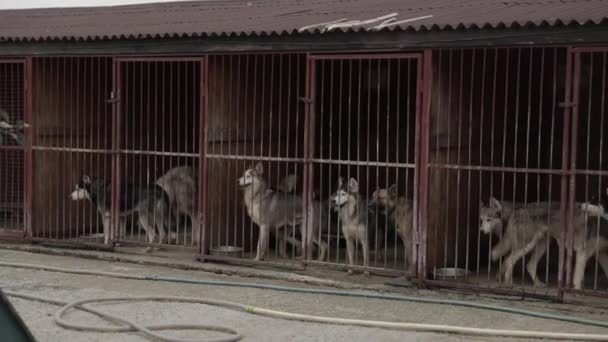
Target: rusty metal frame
[
  {"x": 572, "y": 105},
  {"x": 421, "y": 102},
  {"x": 564, "y": 172},
  {"x": 118, "y": 152},
  {"x": 26, "y": 149}
]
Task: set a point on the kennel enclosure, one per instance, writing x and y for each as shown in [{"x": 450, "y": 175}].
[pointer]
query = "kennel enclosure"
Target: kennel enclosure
[{"x": 451, "y": 104}]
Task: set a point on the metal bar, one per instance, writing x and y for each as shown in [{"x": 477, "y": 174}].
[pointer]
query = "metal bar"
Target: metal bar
[
  {"x": 564, "y": 259},
  {"x": 499, "y": 169},
  {"x": 309, "y": 138},
  {"x": 372, "y": 270},
  {"x": 202, "y": 159},
  {"x": 423, "y": 112},
  {"x": 116, "y": 129},
  {"x": 492, "y": 290},
  {"x": 29, "y": 178},
  {"x": 246, "y": 262},
  {"x": 417, "y": 56}
]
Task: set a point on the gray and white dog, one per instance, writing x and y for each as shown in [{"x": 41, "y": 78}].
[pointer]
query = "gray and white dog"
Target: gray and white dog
[
  {"x": 150, "y": 202},
  {"x": 596, "y": 243},
  {"x": 273, "y": 210},
  {"x": 530, "y": 228},
  {"x": 400, "y": 213},
  {"x": 180, "y": 185},
  {"x": 520, "y": 230},
  {"x": 355, "y": 219}
]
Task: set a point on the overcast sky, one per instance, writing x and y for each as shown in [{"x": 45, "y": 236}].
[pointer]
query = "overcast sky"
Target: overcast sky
[{"x": 13, "y": 4}]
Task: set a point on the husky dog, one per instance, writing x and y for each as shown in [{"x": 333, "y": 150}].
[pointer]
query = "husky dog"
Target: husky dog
[
  {"x": 526, "y": 229},
  {"x": 596, "y": 239},
  {"x": 180, "y": 185},
  {"x": 150, "y": 202},
  {"x": 400, "y": 213},
  {"x": 529, "y": 228},
  {"x": 354, "y": 216},
  {"x": 272, "y": 210}
]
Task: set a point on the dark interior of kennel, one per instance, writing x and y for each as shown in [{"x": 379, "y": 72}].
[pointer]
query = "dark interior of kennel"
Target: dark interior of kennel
[
  {"x": 12, "y": 105},
  {"x": 365, "y": 124},
  {"x": 71, "y": 132}
]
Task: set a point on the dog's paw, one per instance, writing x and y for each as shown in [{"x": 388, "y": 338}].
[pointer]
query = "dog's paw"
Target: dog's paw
[
  {"x": 367, "y": 274},
  {"x": 147, "y": 250},
  {"x": 539, "y": 284},
  {"x": 349, "y": 272}
]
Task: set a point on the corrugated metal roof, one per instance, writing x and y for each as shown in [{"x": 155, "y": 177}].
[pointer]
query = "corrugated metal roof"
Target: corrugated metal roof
[{"x": 268, "y": 17}]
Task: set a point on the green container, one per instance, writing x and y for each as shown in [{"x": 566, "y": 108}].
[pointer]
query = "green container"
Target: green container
[{"x": 12, "y": 327}]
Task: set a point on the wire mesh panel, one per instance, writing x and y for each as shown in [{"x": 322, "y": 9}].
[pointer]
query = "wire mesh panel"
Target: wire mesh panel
[
  {"x": 255, "y": 135},
  {"x": 588, "y": 221},
  {"x": 363, "y": 157},
  {"x": 71, "y": 142},
  {"x": 156, "y": 181},
  {"x": 496, "y": 183},
  {"x": 12, "y": 146}
]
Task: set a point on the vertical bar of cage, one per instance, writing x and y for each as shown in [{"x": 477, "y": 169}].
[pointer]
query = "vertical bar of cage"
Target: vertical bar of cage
[
  {"x": 309, "y": 134},
  {"x": 116, "y": 125},
  {"x": 202, "y": 209},
  {"x": 421, "y": 172},
  {"x": 28, "y": 154},
  {"x": 572, "y": 165},
  {"x": 563, "y": 258}
]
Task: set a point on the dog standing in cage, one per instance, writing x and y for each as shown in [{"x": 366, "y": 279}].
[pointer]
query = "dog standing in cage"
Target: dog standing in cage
[
  {"x": 596, "y": 243},
  {"x": 530, "y": 227},
  {"x": 273, "y": 210},
  {"x": 400, "y": 213},
  {"x": 150, "y": 203},
  {"x": 355, "y": 218},
  {"x": 520, "y": 229},
  {"x": 180, "y": 185}
]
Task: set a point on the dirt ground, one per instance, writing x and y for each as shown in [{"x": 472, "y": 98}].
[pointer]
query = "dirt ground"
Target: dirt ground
[{"x": 39, "y": 316}]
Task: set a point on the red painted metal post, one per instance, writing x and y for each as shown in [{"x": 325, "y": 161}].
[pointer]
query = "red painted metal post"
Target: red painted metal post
[
  {"x": 564, "y": 260},
  {"x": 202, "y": 176},
  {"x": 309, "y": 143},
  {"x": 425, "y": 68},
  {"x": 116, "y": 126},
  {"x": 572, "y": 164},
  {"x": 28, "y": 185}
]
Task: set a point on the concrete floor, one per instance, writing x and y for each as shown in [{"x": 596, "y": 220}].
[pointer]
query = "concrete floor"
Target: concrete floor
[{"x": 39, "y": 316}]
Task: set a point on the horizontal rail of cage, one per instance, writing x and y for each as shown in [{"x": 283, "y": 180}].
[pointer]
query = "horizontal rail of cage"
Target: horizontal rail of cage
[
  {"x": 558, "y": 172},
  {"x": 358, "y": 56},
  {"x": 253, "y": 158},
  {"x": 159, "y": 153},
  {"x": 70, "y": 149},
  {"x": 363, "y": 163}
]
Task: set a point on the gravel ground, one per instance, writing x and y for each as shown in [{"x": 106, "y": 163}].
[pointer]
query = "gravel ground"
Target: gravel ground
[{"x": 38, "y": 316}]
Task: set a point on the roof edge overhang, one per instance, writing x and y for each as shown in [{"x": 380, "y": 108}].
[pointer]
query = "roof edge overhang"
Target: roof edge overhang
[{"x": 592, "y": 34}]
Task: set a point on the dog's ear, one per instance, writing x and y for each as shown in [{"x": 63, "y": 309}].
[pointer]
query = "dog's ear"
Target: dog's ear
[
  {"x": 86, "y": 179},
  {"x": 480, "y": 204},
  {"x": 495, "y": 204},
  {"x": 353, "y": 186},
  {"x": 340, "y": 182},
  {"x": 259, "y": 168},
  {"x": 392, "y": 191}
]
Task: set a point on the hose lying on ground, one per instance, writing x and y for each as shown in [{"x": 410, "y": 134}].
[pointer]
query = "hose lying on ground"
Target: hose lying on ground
[{"x": 132, "y": 326}]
